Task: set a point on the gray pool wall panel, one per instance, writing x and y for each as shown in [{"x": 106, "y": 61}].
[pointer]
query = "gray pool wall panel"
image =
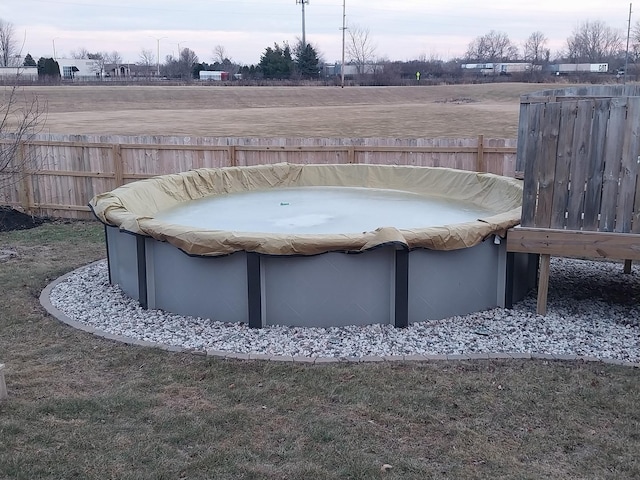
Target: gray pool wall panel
[
  {"x": 328, "y": 290},
  {"x": 199, "y": 286},
  {"x": 456, "y": 282},
  {"x": 331, "y": 289},
  {"x": 123, "y": 261}
]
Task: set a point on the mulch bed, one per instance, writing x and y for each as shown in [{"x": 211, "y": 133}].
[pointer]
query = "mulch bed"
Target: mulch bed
[{"x": 11, "y": 219}]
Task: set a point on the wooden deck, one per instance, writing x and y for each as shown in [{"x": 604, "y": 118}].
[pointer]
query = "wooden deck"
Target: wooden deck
[{"x": 579, "y": 150}]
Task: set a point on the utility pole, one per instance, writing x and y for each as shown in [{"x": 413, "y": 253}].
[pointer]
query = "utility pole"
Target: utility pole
[
  {"x": 626, "y": 57},
  {"x": 304, "y": 38},
  {"x": 344, "y": 28}
]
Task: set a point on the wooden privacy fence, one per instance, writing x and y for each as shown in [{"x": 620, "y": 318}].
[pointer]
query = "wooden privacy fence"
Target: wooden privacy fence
[
  {"x": 580, "y": 152},
  {"x": 57, "y": 175}
]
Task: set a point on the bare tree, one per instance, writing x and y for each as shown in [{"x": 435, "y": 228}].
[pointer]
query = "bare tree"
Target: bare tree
[
  {"x": 187, "y": 60},
  {"x": 220, "y": 54},
  {"x": 112, "y": 57},
  {"x": 594, "y": 41},
  {"x": 360, "y": 48},
  {"x": 81, "y": 53},
  {"x": 492, "y": 47},
  {"x": 634, "y": 47},
  {"x": 221, "y": 60},
  {"x": 535, "y": 48},
  {"x": 8, "y": 44},
  {"x": 99, "y": 60},
  {"x": 112, "y": 62},
  {"x": 634, "y": 51},
  {"x": 181, "y": 67},
  {"x": 21, "y": 118},
  {"x": 147, "y": 60}
]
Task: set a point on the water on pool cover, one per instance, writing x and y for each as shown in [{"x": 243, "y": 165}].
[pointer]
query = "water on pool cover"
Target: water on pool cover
[{"x": 320, "y": 210}]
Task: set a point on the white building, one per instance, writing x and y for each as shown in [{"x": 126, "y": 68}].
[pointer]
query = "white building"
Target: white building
[
  {"x": 79, "y": 68},
  {"x": 19, "y": 73},
  {"x": 213, "y": 75}
]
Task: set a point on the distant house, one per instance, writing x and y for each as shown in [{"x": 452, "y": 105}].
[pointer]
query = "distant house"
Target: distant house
[
  {"x": 117, "y": 70},
  {"x": 129, "y": 70}
]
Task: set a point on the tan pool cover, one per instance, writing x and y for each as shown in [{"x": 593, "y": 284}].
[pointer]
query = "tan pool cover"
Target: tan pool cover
[{"x": 132, "y": 207}]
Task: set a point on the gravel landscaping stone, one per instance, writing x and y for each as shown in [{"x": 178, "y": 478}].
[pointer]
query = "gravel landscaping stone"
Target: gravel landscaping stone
[{"x": 593, "y": 311}]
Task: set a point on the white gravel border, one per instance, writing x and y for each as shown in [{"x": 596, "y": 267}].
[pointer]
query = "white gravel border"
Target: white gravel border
[{"x": 593, "y": 314}]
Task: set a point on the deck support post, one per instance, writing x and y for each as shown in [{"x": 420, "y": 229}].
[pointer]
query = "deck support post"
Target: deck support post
[{"x": 543, "y": 284}]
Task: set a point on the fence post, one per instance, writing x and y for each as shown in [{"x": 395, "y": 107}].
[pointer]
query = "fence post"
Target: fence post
[
  {"x": 351, "y": 155},
  {"x": 118, "y": 167},
  {"x": 231, "y": 153},
  {"x": 480, "y": 165}
]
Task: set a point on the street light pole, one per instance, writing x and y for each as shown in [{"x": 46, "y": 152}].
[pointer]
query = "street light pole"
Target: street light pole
[
  {"x": 54, "y": 47},
  {"x": 157, "y": 39}
]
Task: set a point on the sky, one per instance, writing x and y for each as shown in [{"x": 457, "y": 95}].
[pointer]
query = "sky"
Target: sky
[{"x": 399, "y": 29}]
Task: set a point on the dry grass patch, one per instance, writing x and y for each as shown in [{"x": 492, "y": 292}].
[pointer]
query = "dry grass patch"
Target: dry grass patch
[{"x": 200, "y": 110}]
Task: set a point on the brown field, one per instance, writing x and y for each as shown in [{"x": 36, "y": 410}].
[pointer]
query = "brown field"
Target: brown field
[{"x": 455, "y": 111}]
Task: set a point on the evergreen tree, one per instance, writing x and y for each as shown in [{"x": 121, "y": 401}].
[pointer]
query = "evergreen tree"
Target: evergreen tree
[
  {"x": 276, "y": 62},
  {"x": 29, "y": 61},
  {"x": 197, "y": 68},
  {"x": 48, "y": 68},
  {"x": 247, "y": 72},
  {"x": 307, "y": 62}
]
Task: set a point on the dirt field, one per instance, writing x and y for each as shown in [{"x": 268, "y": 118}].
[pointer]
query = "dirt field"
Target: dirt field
[{"x": 404, "y": 112}]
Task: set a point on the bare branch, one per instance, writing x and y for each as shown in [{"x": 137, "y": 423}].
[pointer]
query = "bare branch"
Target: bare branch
[{"x": 21, "y": 119}]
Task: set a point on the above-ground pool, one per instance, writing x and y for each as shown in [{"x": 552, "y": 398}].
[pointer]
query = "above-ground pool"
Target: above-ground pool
[{"x": 316, "y": 245}]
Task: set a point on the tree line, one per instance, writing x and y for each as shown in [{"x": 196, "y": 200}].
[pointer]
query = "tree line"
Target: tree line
[{"x": 590, "y": 42}]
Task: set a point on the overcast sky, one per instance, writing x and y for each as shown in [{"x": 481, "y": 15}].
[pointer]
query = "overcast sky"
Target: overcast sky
[{"x": 400, "y": 29}]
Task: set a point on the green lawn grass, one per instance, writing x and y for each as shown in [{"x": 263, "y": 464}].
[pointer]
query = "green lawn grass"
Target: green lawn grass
[{"x": 84, "y": 407}]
